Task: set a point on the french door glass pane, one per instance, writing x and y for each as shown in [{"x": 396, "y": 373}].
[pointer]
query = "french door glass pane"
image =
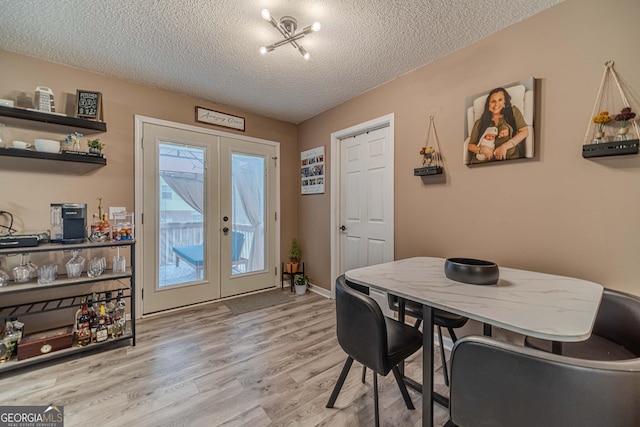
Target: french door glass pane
[
  {"x": 181, "y": 207},
  {"x": 247, "y": 201}
]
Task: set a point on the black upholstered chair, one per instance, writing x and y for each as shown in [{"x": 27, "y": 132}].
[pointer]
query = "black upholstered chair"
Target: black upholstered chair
[
  {"x": 441, "y": 319},
  {"x": 495, "y": 383},
  {"x": 615, "y": 334},
  {"x": 372, "y": 339}
]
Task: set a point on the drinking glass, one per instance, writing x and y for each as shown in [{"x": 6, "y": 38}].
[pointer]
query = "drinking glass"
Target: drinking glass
[
  {"x": 4, "y": 278},
  {"x": 119, "y": 263},
  {"x": 75, "y": 265},
  {"x": 96, "y": 266},
  {"x": 47, "y": 274},
  {"x": 32, "y": 267},
  {"x": 22, "y": 272}
]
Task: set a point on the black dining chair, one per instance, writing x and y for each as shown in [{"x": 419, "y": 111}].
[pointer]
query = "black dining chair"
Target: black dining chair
[
  {"x": 495, "y": 384},
  {"x": 614, "y": 334},
  {"x": 441, "y": 319},
  {"x": 372, "y": 339}
]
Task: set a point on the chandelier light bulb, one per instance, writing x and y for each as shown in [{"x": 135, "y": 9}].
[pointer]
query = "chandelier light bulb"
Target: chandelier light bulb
[
  {"x": 316, "y": 26},
  {"x": 263, "y": 50},
  {"x": 306, "y": 56},
  {"x": 266, "y": 15}
]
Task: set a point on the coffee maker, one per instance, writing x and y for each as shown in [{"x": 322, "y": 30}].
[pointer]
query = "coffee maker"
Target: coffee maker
[{"x": 69, "y": 220}]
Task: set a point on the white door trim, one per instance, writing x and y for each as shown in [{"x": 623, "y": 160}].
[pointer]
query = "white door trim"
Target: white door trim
[
  {"x": 139, "y": 122},
  {"x": 336, "y": 185}
]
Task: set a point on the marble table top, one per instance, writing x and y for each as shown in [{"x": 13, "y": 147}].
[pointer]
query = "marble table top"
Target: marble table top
[{"x": 540, "y": 305}]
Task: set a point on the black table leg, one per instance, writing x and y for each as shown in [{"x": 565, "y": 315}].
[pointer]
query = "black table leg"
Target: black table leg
[{"x": 427, "y": 366}]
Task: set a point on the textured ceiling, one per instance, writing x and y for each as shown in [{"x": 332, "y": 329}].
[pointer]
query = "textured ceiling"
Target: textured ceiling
[{"x": 209, "y": 48}]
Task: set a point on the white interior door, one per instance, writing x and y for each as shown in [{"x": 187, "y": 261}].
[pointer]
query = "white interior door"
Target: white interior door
[{"x": 366, "y": 199}]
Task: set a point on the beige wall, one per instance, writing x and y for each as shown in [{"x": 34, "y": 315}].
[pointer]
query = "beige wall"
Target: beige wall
[
  {"x": 558, "y": 213},
  {"x": 27, "y": 187}
]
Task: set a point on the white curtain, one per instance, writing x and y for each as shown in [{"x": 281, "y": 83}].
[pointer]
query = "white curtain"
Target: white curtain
[
  {"x": 189, "y": 186},
  {"x": 246, "y": 180}
]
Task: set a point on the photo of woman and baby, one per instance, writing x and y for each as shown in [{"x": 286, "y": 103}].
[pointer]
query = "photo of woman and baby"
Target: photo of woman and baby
[{"x": 500, "y": 130}]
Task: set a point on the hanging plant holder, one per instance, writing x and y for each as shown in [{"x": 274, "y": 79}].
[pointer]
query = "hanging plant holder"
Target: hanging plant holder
[
  {"x": 622, "y": 142},
  {"x": 430, "y": 157}
]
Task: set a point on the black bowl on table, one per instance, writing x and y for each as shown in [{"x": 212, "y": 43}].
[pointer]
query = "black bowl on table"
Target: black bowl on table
[{"x": 472, "y": 271}]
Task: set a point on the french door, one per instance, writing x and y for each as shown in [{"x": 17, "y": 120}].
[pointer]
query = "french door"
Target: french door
[{"x": 209, "y": 206}]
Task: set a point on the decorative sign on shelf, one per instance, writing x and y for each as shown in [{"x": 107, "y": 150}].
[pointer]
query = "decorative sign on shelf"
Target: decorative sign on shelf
[
  {"x": 217, "y": 118},
  {"x": 312, "y": 171},
  {"x": 89, "y": 104}
]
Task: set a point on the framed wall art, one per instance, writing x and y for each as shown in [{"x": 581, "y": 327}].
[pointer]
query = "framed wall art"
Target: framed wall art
[
  {"x": 89, "y": 104},
  {"x": 312, "y": 171},
  {"x": 499, "y": 124},
  {"x": 212, "y": 117}
]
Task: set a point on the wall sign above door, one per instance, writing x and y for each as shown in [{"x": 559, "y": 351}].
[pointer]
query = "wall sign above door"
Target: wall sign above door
[{"x": 217, "y": 118}]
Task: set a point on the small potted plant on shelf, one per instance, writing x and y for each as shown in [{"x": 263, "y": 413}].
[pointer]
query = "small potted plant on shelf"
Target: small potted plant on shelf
[
  {"x": 295, "y": 252},
  {"x": 301, "y": 283},
  {"x": 95, "y": 146}
]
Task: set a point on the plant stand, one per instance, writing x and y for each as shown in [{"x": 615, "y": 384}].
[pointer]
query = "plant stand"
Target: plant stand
[{"x": 290, "y": 276}]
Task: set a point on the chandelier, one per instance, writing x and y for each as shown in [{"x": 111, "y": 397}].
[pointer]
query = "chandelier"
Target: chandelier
[{"x": 287, "y": 26}]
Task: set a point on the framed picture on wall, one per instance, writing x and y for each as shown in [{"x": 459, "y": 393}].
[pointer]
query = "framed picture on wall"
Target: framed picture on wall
[
  {"x": 499, "y": 124},
  {"x": 312, "y": 171}
]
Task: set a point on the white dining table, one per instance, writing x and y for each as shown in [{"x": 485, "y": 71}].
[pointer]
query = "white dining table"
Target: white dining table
[{"x": 547, "y": 306}]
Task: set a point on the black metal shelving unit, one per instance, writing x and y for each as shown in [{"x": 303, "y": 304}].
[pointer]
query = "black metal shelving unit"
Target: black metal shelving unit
[{"x": 31, "y": 302}]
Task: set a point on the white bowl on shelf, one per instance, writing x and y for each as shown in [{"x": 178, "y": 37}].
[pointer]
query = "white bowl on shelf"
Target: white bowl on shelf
[{"x": 47, "y": 145}]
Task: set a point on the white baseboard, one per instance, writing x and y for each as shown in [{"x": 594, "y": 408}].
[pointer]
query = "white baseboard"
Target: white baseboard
[{"x": 320, "y": 291}]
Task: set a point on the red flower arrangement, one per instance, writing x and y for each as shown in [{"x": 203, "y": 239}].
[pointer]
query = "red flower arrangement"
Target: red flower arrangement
[{"x": 625, "y": 115}]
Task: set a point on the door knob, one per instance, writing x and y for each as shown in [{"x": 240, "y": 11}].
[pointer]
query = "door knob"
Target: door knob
[
  {"x": 343, "y": 228},
  {"x": 225, "y": 230}
]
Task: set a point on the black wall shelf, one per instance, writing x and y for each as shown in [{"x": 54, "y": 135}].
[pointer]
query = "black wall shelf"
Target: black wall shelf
[
  {"x": 55, "y": 119},
  {"x": 17, "y": 152},
  {"x": 616, "y": 148}
]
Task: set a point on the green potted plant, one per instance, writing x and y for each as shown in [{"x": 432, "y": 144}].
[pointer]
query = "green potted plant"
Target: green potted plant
[
  {"x": 295, "y": 253},
  {"x": 301, "y": 283},
  {"x": 95, "y": 146}
]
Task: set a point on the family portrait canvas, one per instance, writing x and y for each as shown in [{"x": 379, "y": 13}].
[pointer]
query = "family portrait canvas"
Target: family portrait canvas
[{"x": 499, "y": 124}]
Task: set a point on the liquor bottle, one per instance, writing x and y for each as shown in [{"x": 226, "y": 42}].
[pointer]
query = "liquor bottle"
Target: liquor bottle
[
  {"x": 93, "y": 314},
  {"x": 101, "y": 331},
  {"x": 84, "y": 329},
  {"x": 122, "y": 307},
  {"x": 109, "y": 308},
  {"x": 10, "y": 341},
  {"x": 118, "y": 317}
]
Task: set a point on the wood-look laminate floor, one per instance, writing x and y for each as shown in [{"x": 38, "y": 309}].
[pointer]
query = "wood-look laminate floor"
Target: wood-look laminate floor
[{"x": 206, "y": 367}]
